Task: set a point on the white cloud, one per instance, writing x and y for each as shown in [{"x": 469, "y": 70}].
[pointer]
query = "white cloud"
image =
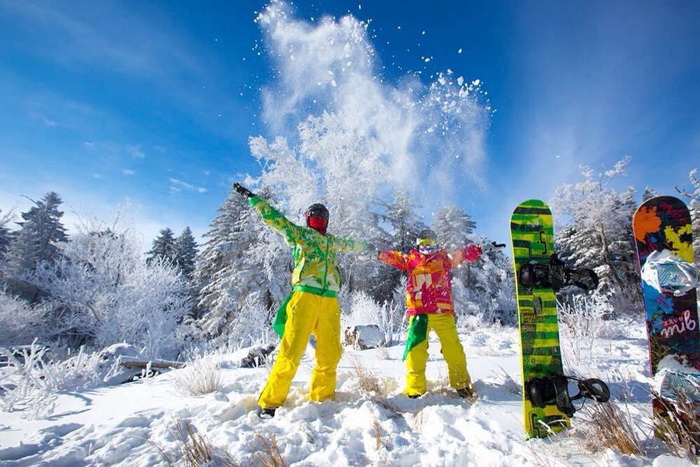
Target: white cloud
[
  {"x": 128, "y": 172},
  {"x": 136, "y": 152},
  {"x": 178, "y": 185}
]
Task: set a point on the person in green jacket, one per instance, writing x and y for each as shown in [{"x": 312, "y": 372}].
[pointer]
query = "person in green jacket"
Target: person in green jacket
[{"x": 311, "y": 308}]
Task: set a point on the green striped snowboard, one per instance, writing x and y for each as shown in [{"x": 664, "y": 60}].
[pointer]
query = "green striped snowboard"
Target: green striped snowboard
[{"x": 532, "y": 235}]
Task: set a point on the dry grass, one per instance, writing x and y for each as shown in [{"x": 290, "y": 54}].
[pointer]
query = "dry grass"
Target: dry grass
[
  {"x": 378, "y": 393},
  {"x": 383, "y": 354},
  {"x": 504, "y": 379},
  {"x": 269, "y": 454},
  {"x": 606, "y": 426},
  {"x": 442, "y": 386},
  {"x": 199, "y": 377},
  {"x": 367, "y": 380},
  {"x": 195, "y": 449},
  {"x": 379, "y": 440},
  {"x": 679, "y": 429},
  {"x": 388, "y": 405}
]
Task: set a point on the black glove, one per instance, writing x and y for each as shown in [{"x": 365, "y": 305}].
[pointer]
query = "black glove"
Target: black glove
[{"x": 243, "y": 190}]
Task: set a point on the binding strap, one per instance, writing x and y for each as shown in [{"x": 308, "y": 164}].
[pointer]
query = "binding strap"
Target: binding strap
[{"x": 554, "y": 390}]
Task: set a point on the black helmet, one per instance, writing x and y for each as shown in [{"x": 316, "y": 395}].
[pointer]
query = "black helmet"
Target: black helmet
[
  {"x": 317, "y": 210},
  {"x": 427, "y": 233}
]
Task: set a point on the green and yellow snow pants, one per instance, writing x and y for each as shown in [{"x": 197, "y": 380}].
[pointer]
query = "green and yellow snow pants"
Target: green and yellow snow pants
[
  {"x": 307, "y": 313},
  {"x": 446, "y": 330}
]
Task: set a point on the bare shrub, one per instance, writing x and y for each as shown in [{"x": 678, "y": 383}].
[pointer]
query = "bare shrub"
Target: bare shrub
[
  {"x": 269, "y": 454},
  {"x": 195, "y": 449},
  {"x": 367, "y": 380},
  {"x": 365, "y": 311},
  {"x": 504, "y": 379},
  {"x": 679, "y": 426},
  {"x": 27, "y": 388},
  {"x": 581, "y": 321},
  {"x": 383, "y": 354},
  {"x": 607, "y": 426},
  {"x": 199, "y": 377}
]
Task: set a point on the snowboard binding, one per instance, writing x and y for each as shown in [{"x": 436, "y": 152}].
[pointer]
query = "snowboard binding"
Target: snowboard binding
[
  {"x": 556, "y": 276},
  {"x": 554, "y": 390}
]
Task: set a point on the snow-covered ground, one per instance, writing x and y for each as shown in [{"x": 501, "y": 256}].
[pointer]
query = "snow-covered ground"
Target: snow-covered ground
[{"x": 144, "y": 423}]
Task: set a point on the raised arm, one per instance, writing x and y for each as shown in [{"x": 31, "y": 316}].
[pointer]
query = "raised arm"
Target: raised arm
[
  {"x": 271, "y": 216},
  {"x": 394, "y": 258},
  {"x": 346, "y": 245},
  {"x": 469, "y": 253}
]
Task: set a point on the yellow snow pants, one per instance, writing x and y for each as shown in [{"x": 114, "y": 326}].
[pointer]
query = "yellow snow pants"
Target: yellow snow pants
[
  {"x": 306, "y": 314},
  {"x": 446, "y": 330}
]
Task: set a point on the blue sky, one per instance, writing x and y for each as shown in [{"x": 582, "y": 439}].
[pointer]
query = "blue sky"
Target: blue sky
[{"x": 154, "y": 101}]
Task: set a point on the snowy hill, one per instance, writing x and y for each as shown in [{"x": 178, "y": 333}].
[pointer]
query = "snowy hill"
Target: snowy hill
[{"x": 370, "y": 422}]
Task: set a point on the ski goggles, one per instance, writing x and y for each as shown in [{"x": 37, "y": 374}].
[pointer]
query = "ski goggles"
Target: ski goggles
[{"x": 425, "y": 242}]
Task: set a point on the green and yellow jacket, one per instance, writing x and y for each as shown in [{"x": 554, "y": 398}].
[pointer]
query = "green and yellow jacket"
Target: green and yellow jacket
[{"x": 315, "y": 254}]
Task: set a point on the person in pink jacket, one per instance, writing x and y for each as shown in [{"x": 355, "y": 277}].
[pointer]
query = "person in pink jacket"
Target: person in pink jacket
[{"x": 430, "y": 306}]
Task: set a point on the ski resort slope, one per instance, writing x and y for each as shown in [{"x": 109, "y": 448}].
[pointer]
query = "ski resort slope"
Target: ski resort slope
[{"x": 370, "y": 422}]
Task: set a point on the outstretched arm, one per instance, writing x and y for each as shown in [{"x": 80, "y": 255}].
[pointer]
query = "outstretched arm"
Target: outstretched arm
[
  {"x": 469, "y": 253},
  {"x": 394, "y": 258},
  {"x": 271, "y": 216},
  {"x": 346, "y": 245}
]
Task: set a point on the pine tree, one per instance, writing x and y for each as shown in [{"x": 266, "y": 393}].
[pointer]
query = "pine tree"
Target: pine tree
[
  {"x": 40, "y": 234},
  {"x": 401, "y": 215},
  {"x": 649, "y": 193},
  {"x": 403, "y": 224},
  {"x": 163, "y": 248},
  {"x": 453, "y": 227},
  {"x": 5, "y": 234},
  {"x": 241, "y": 258},
  {"x": 186, "y": 252}
]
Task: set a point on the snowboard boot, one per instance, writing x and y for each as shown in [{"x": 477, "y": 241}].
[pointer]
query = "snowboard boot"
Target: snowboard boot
[{"x": 266, "y": 414}]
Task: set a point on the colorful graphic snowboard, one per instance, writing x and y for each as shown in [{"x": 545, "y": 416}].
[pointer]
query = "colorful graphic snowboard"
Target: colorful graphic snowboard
[
  {"x": 532, "y": 234},
  {"x": 663, "y": 234}
]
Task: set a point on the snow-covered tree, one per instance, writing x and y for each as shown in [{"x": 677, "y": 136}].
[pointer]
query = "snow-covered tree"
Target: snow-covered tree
[
  {"x": 102, "y": 292},
  {"x": 337, "y": 165},
  {"x": 599, "y": 234},
  {"x": 241, "y": 258},
  {"x": 5, "y": 234},
  {"x": 39, "y": 237},
  {"x": 163, "y": 248},
  {"x": 20, "y": 322},
  {"x": 186, "y": 252},
  {"x": 453, "y": 227},
  {"x": 649, "y": 193},
  {"x": 404, "y": 222},
  {"x": 399, "y": 225},
  {"x": 693, "y": 196}
]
